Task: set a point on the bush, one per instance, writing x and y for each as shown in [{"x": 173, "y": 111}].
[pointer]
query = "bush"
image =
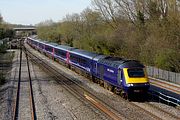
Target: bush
[{"x": 168, "y": 59}]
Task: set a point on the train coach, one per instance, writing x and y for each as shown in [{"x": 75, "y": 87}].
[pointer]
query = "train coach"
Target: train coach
[
  {"x": 122, "y": 76},
  {"x": 126, "y": 77}
]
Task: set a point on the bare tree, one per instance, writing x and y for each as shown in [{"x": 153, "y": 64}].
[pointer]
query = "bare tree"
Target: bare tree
[
  {"x": 113, "y": 10},
  {"x": 108, "y": 9}
]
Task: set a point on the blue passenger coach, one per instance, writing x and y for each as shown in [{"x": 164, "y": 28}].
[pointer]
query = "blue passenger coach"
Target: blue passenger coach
[
  {"x": 116, "y": 74},
  {"x": 62, "y": 53},
  {"x": 82, "y": 59}
]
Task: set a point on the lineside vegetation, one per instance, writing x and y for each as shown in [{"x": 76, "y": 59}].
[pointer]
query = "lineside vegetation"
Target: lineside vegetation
[{"x": 145, "y": 30}]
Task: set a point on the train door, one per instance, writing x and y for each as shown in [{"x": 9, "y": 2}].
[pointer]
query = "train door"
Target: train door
[
  {"x": 101, "y": 71},
  {"x": 119, "y": 77},
  {"x": 95, "y": 68}
]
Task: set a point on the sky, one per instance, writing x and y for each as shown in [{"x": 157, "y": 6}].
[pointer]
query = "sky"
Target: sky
[{"x": 28, "y": 12}]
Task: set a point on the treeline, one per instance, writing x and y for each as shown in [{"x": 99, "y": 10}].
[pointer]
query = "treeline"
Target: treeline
[
  {"x": 5, "y": 32},
  {"x": 145, "y": 30},
  {"x": 5, "y": 29}
]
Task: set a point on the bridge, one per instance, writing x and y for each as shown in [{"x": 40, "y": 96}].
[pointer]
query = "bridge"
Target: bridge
[{"x": 24, "y": 29}]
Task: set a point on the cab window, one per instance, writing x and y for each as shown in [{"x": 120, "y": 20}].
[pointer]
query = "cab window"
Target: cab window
[{"x": 138, "y": 72}]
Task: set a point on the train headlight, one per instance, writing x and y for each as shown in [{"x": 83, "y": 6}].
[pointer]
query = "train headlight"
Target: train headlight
[
  {"x": 129, "y": 85},
  {"x": 147, "y": 84}
]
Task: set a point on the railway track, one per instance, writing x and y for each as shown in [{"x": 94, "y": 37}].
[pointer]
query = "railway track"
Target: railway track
[
  {"x": 18, "y": 113},
  {"x": 165, "y": 85},
  {"x": 161, "y": 95},
  {"x": 164, "y": 111},
  {"x": 161, "y": 111},
  {"x": 102, "y": 106}
]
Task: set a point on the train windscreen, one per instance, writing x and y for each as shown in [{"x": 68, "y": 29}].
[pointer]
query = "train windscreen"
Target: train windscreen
[{"x": 136, "y": 72}]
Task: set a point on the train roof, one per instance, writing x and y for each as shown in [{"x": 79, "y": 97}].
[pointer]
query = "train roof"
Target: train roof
[
  {"x": 120, "y": 62},
  {"x": 43, "y": 42},
  {"x": 38, "y": 40},
  {"x": 99, "y": 57},
  {"x": 132, "y": 64},
  {"x": 53, "y": 44},
  {"x": 50, "y": 44},
  {"x": 84, "y": 53},
  {"x": 32, "y": 38},
  {"x": 64, "y": 47}
]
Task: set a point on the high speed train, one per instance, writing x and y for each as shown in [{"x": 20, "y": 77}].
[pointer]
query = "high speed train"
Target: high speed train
[{"x": 122, "y": 76}]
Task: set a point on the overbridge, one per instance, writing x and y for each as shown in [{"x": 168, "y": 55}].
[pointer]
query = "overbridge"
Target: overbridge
[{"x": 24, "y": 29}]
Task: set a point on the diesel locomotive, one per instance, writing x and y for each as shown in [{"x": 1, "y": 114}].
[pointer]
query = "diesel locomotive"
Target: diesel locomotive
[{"x": 122, "y": 76}]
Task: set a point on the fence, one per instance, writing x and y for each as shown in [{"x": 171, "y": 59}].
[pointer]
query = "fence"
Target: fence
[{"x": 163, "y": 74}]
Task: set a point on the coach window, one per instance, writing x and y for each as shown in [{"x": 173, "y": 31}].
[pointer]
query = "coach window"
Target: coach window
[
  {"x": 57, "y": 52},
  {"x": 49, "y": 49},
  {"x": 41, "y": 45},
  {"x": 83, "y": 61},
  {"x": 63, "y": 54}
]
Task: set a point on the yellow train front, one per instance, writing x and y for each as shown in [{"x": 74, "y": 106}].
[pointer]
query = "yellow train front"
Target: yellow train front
[
  {"x": 126, "y": 77},
  {"x": 134, "y": 79}
]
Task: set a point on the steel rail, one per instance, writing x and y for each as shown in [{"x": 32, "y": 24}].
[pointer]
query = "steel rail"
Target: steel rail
[
  {"x": 174, "y": 88},
  {"x": 167, "y": 98},
  {"x": 32, "y": 103},
  {"x": 16, "y": 108},
  {"x": 173, "y": 116}
]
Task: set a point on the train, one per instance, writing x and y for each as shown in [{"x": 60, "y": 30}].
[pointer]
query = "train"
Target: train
[{"x": 122, "y": 76}]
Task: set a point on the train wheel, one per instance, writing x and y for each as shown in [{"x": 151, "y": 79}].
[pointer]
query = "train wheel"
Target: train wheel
[
  {"x": 105, "y": 85},
  {"x": 96, "y": 80},
  {"x": 110, "y": 87},
  {"x": 116, "y": 91},
  {"x": 101, "y": 83},
  {"x": 125, "y": 96}
]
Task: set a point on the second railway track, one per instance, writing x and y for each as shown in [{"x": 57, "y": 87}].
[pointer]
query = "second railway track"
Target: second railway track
[{"x": 24, "y": 107}]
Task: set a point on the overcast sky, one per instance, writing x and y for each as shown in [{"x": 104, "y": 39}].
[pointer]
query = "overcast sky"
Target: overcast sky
[{"x": 35, "y": 11}]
